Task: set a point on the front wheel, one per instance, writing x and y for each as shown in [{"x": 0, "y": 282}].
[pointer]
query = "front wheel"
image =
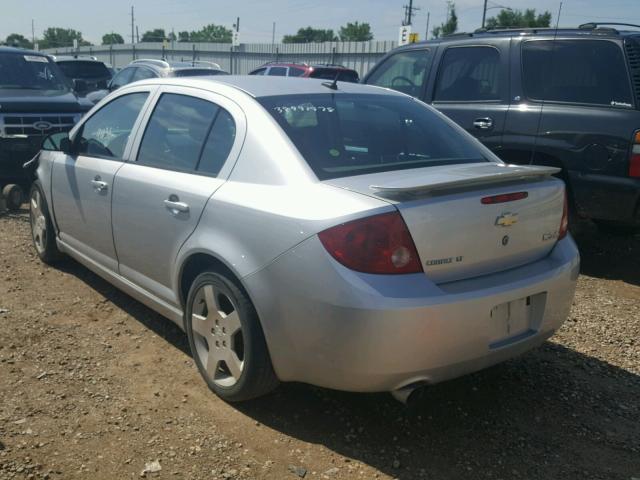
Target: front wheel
[
  {"x": 42, "y": 231},
  {"x": 226, "y": 339}
]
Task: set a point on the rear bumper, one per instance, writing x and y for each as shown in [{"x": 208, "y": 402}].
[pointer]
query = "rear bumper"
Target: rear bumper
[
  {"x": 606, "y": 197},
  {"x": 336, "y": 328}
]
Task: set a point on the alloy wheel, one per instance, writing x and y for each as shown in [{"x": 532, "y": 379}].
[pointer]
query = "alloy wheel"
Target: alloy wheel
[
  {"x": 217, "y": 333},
  {"x": 38, "y": 222}
]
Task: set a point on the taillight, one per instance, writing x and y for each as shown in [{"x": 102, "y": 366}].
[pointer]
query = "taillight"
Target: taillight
[
  {"x": 564, "y": 223},
  {"x": 377, "y": 244},
  {"x": 634, "y": 161},
  {"x": 504, "y": 198}
]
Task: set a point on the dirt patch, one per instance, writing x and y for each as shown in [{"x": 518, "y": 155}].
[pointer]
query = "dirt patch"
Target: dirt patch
[{"x": 95, "y": 385}]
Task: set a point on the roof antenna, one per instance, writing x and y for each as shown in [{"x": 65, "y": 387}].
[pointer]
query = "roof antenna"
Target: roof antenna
[{"x": 332, "y": 85}]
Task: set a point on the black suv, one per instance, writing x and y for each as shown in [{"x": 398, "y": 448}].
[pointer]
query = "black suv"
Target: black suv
[
  {"x": 568, "y": 98},
  {"x": 143, "y": 69},
  {"x": 35, "y": 100}
]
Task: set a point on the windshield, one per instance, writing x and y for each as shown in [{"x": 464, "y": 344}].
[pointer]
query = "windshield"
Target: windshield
[
  {"x": 29, "y": 72},
  {"x": 84, "y": 70},
  {"x": 342, "y": 135}
]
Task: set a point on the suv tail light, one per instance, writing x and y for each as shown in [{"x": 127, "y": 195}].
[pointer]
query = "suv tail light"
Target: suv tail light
[
  {"x": 377, "y": 244},
  {"x": 634, "y": 161},
  {"x": 564, "y": 223}
]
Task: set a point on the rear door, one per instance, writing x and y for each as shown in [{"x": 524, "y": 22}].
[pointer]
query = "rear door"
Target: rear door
[
  {"x": 181, "y": 159},
  {"x": 471, "y": 87},
  {"x": 82, "y": 184}
]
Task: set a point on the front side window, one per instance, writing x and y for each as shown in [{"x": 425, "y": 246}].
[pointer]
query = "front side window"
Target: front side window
[
  {"x": 469, "y": 74},
  {"x": 345, "y": 135},
  {"x": 260, "y": 71},
  {"x": 296, "y": 72},
  {"x": 122, "y": 78},
  {"x": 143, "y": 74},
  {"x": 278, "y": 71},
  {"x": 107, "y": 132},
  {"x": 404, "y": 72},
  {"x": 176, "y": 132},
  {"x": 575, "y": 71}
]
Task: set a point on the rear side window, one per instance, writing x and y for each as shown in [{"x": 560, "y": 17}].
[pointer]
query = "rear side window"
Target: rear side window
[
  {"x": 278, "y": 71},
  {"x": 345, "y": 135},
  {"x": 219, "y": 144},
  {"x": 122, "y": 78},
  {"x": 575, "y": 71},
  {"x": 469, "y": 74},
  {"x": 296, "y": 72},
  {"x": 176, "y": 132},
  {"x": 404, "y": 72},
  {"x": 260, "y": 71},
  {"x": 143, "y": 74}
]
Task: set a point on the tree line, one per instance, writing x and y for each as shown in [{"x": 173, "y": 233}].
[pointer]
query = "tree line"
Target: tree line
[{"x": 56, "y": 37}]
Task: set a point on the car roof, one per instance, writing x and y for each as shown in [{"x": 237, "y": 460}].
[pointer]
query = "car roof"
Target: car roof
[
  {"x": 259, "y": 86},
  {"x": 585, "y": 31},
  {"x": 21, "y": 51}
]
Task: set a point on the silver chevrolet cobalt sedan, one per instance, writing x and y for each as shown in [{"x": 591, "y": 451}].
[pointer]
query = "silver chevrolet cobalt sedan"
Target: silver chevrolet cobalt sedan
[{"x": 338, "y": 234}]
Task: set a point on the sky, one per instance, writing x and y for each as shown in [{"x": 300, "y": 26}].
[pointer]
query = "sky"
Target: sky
[{"x": 97, "y": 17}]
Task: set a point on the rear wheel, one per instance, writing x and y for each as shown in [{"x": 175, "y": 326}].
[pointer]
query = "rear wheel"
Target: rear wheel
[
  {"x": 14, "y": 196},
  {"x": 226, "y": 339},
  {"x": 42, "y": 231}
]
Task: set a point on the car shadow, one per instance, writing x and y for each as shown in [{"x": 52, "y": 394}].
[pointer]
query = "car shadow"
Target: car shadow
[
  {"x": 608, "y": 256},
  {"x": 552, "y": 413}
]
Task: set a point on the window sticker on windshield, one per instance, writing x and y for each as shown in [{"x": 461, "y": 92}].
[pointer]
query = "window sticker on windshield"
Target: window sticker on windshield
[{"x": 36, "y": 58}]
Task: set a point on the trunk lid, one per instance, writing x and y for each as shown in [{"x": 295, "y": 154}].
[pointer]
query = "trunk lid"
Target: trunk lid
[{"x": 456, "y": 235}]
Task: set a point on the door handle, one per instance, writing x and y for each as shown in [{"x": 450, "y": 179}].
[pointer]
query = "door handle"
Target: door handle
[
  {"x": 484, "y": 123},
  {"x": 99, "y": 185},
  {"x": 176, "y": 206}
]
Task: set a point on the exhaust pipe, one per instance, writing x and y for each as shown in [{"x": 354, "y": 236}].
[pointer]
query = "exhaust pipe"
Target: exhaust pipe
[{"x": 404, "y": 394}]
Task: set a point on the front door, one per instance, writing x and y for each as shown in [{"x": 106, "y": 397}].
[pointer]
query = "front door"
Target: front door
[
  {"x": 159, "y": 198},
  {"x": 83, "y": 182}
]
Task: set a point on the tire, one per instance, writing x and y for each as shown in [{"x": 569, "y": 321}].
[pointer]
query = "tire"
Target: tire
[
  {"x": 228, "y": 344},
  {"x": 42, "y": 232},
  {"x": 14, "y": 197}
]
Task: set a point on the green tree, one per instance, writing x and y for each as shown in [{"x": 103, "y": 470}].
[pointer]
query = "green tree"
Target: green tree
[
  {"x": 55, "y": 37},
  {"x": 356, "y": 32},
  {"x": 17, "y": 40},
  {"x": 112, "y": 39},
  {"x": 448, "y": 27},
  {"x": 210, "y": 33},
  {"x": 311, "y": 35},
  {"x": 518, "y": 18},
  {"x": 184, "y": 37},
  {"x": 155, "y": 35}
]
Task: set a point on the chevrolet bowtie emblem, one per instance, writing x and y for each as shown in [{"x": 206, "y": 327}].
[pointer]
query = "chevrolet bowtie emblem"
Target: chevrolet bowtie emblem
[{"x": 507, "y": 219}]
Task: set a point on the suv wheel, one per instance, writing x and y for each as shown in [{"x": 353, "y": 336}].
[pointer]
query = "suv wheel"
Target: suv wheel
[
  {"x": 226, "y": 339},
  {"x": 42, "y": 231}
]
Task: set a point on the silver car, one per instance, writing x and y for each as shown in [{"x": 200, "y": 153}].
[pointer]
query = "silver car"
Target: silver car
[{"x": 338, "y": 234}]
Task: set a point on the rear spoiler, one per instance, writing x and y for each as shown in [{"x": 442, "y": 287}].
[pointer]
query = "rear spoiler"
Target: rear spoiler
[{"x": 461, "y": 176}]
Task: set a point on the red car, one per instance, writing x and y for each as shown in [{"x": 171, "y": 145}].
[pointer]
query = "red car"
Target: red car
[{"x": 325, "y": 71}]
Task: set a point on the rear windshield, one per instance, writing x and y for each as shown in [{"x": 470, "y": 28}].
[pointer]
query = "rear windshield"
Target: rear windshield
[
  {"x": 342, "y": 135},
  {"x": 330, "y": 74},
  {"x": 29, "y": 72},
  {"x": 84, "y": 70},
  {"x": 196, "y": 72}
]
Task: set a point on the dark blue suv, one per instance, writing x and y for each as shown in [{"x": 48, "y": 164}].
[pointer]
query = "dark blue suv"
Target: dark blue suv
[{"x": 568, "y": 98}]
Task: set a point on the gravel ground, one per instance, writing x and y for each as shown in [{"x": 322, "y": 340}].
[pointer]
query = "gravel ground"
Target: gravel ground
[{"x": 95, "y": 385}]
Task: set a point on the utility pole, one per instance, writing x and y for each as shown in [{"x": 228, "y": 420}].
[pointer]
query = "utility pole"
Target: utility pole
[
  {"x": 408, "y": 12},
  {"x": 33, "y": 33},
  {"x": 137, "y": 35},
  {"x": 133, "y": 39},
  {"x": 426, "y": 33},
  {"x": 484, "y": 12},
  {"x": 273, "y": 35}
]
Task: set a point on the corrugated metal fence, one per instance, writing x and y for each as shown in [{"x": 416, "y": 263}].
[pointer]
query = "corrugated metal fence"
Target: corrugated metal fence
[{"x": 360, "y": 56}]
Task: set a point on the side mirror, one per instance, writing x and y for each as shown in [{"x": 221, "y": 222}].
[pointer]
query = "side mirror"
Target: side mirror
[
  {"x": 58, "y": 142},
  {"x": 80, "y": 86}
]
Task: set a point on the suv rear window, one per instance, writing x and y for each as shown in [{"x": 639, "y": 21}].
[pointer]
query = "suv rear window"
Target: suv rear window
[
  {"x": 330, "y": 74},
  {"x": 575, "y": 71},
  {"x": 344, "y": 135},
  {"x": 84, "y": 70}
]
